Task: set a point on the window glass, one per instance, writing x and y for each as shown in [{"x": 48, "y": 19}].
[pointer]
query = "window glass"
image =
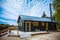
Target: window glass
[{"x": 35, "y": 23}]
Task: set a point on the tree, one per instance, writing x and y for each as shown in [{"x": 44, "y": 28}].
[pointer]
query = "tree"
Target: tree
[
  {"x": 54, "y": 16},
  {"x": 56, "y": 5},
  {"x": 44, "y": 15}
]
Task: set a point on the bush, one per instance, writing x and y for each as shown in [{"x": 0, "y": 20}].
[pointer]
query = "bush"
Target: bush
[{"x": 3, "y": 27}]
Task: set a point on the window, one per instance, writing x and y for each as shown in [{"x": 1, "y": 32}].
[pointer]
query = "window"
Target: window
[
  {"x": 42, "y": 23},
  {"x": 35, "y": 23},
  {"x": 20, "y": 24}
]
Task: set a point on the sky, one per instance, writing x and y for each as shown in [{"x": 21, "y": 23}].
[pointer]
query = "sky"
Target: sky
[{"x": 11, "y": 9}]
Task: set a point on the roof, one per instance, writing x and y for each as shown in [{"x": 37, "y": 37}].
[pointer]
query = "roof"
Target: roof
[{"x": 24, "y": 17}]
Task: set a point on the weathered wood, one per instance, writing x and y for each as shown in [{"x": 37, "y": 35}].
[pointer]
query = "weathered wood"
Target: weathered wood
[
  {"x": 3, "y": 32},
  {"x": 13, "y": 36},
  {"x": 39, "y": 33}
]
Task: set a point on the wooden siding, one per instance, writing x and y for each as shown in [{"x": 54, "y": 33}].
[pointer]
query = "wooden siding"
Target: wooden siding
[{"x": 42, "y": 26}]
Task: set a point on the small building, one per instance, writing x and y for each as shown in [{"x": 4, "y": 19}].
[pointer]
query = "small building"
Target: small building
[{"x": 29, "y": 23}]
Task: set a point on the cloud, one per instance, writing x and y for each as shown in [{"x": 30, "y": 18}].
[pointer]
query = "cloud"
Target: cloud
[
  {"x": 13, "y": 8},
  {"x": 9, "y": 22}
]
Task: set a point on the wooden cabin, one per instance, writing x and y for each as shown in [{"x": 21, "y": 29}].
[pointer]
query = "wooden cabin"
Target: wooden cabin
[{"x": 29, "y": 23}]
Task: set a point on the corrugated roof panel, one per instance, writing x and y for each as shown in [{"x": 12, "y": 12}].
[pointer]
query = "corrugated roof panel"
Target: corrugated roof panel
[{"x": 24, "y": 17}]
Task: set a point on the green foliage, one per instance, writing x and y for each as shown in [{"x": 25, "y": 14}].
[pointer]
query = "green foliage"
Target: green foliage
[
  {"x": 56, "y": 5},
  {"x": 44, "y": 15},
  {"x": 58, "y": 15},
  {"x": 55, "y": 16}
]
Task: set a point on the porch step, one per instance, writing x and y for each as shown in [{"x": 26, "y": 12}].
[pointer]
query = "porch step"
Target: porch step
[{"x": 39, "y": 33}]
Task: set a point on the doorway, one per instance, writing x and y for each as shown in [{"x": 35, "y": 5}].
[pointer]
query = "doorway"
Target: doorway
[
  {"x": 28, "y": 26},
  {"x": 43, "y": 26}
]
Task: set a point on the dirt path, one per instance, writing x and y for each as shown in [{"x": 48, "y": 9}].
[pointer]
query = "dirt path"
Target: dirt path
[{"x": 51, "y": 36}]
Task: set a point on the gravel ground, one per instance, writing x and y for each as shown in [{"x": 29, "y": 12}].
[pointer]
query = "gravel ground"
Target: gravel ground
[{"x": 50, "y": 36}]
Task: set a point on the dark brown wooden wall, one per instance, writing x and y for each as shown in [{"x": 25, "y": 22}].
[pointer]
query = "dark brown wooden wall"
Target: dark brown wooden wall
[{"x": 51, "y": 26}]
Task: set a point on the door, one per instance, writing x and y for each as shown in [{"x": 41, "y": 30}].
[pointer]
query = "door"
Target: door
[
  {"x": 34, "y": 26},
  {"x": 43, "y": 26},
  {"x": 27, "y": 26}
]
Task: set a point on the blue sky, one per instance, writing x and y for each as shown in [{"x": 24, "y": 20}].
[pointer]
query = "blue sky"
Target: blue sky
[{"x": 11, "y": 9}]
